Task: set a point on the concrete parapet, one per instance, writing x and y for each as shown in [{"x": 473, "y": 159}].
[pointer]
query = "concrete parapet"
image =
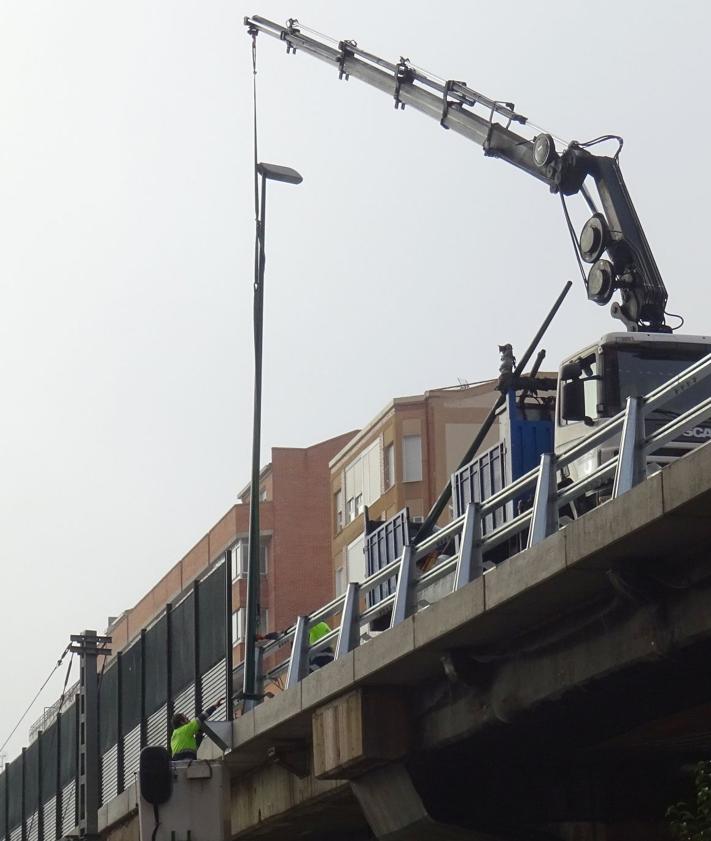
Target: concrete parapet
[
  {"x": 277, "y": 710},
  {"x": 450, "y": 614},
  {"x": 610, "y": 532},
  {"x": 688, "y": 480},
  {"x": 384, "y": 651},
  {"x": 325, "y": 683}
]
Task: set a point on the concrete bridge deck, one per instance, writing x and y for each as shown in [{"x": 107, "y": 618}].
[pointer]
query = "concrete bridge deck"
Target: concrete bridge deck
[{"x": 529, "y": 694}]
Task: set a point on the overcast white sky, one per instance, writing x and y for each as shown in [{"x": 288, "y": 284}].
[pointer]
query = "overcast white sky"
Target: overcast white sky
[{"x": 399, "y": 265}]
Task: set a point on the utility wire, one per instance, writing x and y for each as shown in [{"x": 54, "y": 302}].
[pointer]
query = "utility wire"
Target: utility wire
[{"x": 30, "y": 705}]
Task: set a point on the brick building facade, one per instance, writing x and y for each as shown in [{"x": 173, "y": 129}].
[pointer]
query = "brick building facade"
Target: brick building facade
[
  {"x": 296, "y": 547},
  {"x": 403, "y": 457}
]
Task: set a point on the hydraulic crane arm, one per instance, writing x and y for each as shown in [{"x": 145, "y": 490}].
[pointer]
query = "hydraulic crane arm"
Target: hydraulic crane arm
[{"x": 616, "y": 231}]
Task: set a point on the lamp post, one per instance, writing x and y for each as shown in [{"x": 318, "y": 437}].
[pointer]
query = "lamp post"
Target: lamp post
[{"x": 266, "y": 172}]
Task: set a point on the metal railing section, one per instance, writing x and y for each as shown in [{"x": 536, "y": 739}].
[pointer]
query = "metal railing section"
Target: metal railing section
[
  {"x": 179, "y": 667},
  {"x": 632, "y": 453}
]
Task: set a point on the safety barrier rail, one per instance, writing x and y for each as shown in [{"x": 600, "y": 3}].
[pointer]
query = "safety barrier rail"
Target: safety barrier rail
[
  {"x": 178, "y": 663},
  {"x": 633, "y": 453}
]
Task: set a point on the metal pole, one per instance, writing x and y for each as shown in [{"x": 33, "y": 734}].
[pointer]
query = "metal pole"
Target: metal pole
[
  {"x": 229, "y": 642},
  {"x": 440, "y": 504},
  {"x": 169, "y": 676},
  {"x": 197, "y": 679},
  {"x": 120, "y": 756},
  {"x": 88, "y": 735},
  {"x": 143, "y": 736},
  {"x": 252, "y": 611}
]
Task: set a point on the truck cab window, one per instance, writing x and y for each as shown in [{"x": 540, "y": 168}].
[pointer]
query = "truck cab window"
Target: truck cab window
[
  {"x": 580, "y": 394},
  {"x": 591, "y": 388}
]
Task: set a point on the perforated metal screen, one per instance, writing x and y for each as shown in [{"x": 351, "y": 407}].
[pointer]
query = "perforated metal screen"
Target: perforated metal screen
[
  {"x": 108, "y": 708},
  {"x": 14, "y": 771},
  {"x": 68, "y": 745},
  {"x": 142, "y": 673},
  {"x": 31, "y": 778},
  {"x": 211, "y": 614},
  {"x": 182, "y": 644},
  {"x": 382, "y": 547},
  {"x": 479, "y": 480},
  {"x": 49, "y": 762},
  {"x": 2, "y": 805},
  {"x": 131, "y": 687}
]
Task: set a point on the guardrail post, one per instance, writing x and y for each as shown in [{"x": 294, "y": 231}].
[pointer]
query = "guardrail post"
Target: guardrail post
[
  {"x": 404, "y": 579},
  {"x": 297, "y": 661},
  {"x": 631, "y": 468},
  {"x": 471, "y": 562},
  {"x": 544, "y": 519},
  {"x": 347, "y": 635}
]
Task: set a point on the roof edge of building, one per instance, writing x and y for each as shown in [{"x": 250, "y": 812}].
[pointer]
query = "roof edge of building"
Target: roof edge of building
[{"x": 483, "y": 385}]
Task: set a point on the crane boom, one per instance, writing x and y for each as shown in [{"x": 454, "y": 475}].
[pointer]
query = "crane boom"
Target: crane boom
[{"x": 616, "y": 231}]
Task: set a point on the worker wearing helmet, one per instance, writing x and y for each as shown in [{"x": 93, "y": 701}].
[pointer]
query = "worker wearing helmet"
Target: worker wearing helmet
[{"x": 187, "y": 734}]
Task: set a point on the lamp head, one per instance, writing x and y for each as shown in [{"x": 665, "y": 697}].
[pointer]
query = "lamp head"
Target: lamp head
[{"x": 274, "y": 172}]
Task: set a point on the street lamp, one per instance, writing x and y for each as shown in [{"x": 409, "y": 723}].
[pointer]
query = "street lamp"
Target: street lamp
[{"x": 266, "y": 172}]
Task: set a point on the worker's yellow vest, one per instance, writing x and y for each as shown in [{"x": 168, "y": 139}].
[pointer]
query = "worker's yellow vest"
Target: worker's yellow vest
[{"x": 184, "y": 738}]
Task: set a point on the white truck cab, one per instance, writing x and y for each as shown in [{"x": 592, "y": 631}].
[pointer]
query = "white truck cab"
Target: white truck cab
[{"x": 594, "y": 384}]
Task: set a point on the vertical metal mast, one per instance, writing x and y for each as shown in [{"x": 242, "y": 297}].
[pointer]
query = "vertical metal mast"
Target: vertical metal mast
[{"x": 88, "y": 646}]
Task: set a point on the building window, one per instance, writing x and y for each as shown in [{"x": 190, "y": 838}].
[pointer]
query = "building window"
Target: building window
[
  {"x": 362, "y": 481},
  {"x": 412, "y": 458},
  {"x": 264, "y": 620},
  {"x": 262, "y": 494},
  {"x": 238, "y": 625},
  {"x": 240, "y": 557},
  {"x": 355, "y": 560},
  {"x": 338, "y": 505},
  {"x": 389, "y": 466}
]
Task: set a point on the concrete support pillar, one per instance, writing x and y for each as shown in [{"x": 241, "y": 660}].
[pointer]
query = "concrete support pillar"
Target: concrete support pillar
[{"x": 394, "y": 809}]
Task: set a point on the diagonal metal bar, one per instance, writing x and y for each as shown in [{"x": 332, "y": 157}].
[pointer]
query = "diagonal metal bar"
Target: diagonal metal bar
[
  {"x": 630, "y": 466},
  {"x": 347, "y": 635},
  {"x": 470, "y": 564},
  {"x": 544, "y": 520}
]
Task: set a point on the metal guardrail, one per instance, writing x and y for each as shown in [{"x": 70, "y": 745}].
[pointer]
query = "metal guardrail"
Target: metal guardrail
[{"x": 627, "y": 466}]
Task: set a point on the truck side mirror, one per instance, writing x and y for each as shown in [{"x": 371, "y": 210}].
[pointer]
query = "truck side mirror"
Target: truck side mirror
[
  {"x": 573, "y": 400},
  {"x": 571, "y": 371}
]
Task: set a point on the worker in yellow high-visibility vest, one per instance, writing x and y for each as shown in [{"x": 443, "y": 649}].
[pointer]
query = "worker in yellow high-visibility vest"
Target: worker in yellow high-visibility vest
[
  {"x": 186, "y": 733},
  {"x": 325, "y": 655}
]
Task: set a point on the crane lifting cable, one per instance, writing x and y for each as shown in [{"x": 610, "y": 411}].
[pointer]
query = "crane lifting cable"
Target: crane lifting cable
[{"x": 263, "y": 172}]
